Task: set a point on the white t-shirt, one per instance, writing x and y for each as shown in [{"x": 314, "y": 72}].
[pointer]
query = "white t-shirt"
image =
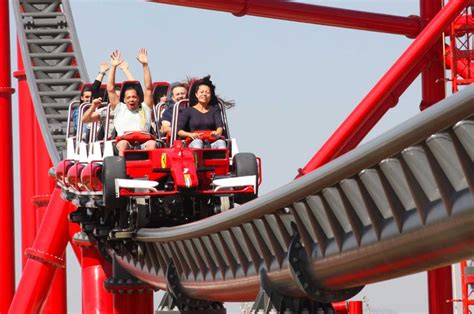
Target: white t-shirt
[{"x": 127, "y": 120}]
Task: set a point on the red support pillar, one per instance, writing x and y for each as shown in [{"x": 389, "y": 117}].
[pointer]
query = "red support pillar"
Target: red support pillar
[
  {"x": 340, "y": 307},
  {"x": 433, "y": 77},
  {"x": 57, "y": 297},
  {"x": 7, "y": 240},
  {"x": 130, "y": 294},
  {"x": 36, "y": 185},
  {"x": 355, "y": 307},
  {"x": 43, "y": 258},
  {"x": 133, "y": 303},
  {"x": 56, "y": 302},
  {"x": 95, "y": 271},
  {"x": 27, "y": 163},
  {"x": 433, "y": 90}
]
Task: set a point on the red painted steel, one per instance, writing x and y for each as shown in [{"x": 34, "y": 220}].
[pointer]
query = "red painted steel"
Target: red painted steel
[
  {"x": 27, "y": 165},
  {"x": 467, "y": 282},
  {"x": 340, "y": 307},
  {"x": 56, "y": 302},
  {"x": 95, "y": 270},
  {"x": 360, "y": 119},
  {"x": 7, "y": 240},
  {"x": 309, "y": 13},
  {"x": 57, "y": 297},
  {"x": 35, "y": 184},
  {"x": 390, "y": 102},
  {"x": 133, "y": 303},
  {"x": 461, "y": 68},
  {"x": 43, "y": 258},
  {"x": 464, "y": 289},
  {"x": 433, "y": 86},
  {"x": 461, "y": 52},
  {"x": 433, "y": 89},
  {"x": 73, "y": 229},
  {"x": 440, "y": 290},
  {"x": 355, "y": 307}
]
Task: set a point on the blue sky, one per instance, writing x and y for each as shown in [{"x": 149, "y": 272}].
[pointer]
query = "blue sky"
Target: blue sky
[{"x": 293, "y": 84}]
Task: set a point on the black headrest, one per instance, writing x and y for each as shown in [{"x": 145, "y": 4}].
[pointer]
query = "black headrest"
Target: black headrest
[
  {"x": 87, "y": 87},
  {"x": 159, "y": 89}
]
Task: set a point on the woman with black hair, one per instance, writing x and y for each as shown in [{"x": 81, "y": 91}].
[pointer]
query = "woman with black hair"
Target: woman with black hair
[{"x": 204, "y": 114}]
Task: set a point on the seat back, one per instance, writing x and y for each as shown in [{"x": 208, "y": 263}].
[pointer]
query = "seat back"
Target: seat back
[
  {"x": 160, "y": 89},
  {"x": 180, "y": 105}
]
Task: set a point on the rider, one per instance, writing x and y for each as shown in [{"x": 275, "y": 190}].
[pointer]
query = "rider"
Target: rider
[
  {"x": 133, "y": 109},
  {"x": 204, "y": 114},
  {"x": 90, "y": 93},
  {"x": 177, "y": 91}
]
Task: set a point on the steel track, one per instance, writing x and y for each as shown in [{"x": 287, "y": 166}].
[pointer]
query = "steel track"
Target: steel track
[{"x": 397, "y": 205}]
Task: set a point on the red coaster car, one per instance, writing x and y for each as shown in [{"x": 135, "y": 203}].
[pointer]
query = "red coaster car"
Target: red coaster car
[
  {"x": 169, "y": 186},
  {"x": 176, "y": 184},
  {"x": 172, "y": 184}
]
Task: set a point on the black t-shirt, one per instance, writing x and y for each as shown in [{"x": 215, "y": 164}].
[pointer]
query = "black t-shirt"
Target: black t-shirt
[{"x": 191, "y": 119}]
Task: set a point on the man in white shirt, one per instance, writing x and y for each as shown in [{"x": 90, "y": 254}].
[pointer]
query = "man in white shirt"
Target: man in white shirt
[{"x": 133, "y": 109}]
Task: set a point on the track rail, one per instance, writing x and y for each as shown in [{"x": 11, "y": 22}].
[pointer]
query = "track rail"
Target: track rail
[
  {"x": 54, "y": 66},
  {"x": 400, "y": 204}
]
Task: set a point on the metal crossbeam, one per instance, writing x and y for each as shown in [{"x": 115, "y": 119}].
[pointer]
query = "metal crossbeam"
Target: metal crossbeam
[
  {"x": 400, "y": 204},
  {"x": 53, "y": 64}
]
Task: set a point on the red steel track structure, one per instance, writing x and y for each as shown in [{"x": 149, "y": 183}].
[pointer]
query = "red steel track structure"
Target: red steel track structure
[{"x": 428, "y": 55}]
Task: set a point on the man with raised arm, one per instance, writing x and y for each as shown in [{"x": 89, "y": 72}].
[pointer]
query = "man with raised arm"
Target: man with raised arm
[
  {"x": 94, "y": 93},
  {"x": 133, "y": 109}
]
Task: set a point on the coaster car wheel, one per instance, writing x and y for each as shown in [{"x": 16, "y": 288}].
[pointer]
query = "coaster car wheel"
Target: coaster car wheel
[
  {"x": 113, "y": 168},
  {"x": 245, "y": 164}
]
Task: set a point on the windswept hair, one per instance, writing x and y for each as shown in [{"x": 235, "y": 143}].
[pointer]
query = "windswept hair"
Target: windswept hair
[{"x": 194, "y": 83}]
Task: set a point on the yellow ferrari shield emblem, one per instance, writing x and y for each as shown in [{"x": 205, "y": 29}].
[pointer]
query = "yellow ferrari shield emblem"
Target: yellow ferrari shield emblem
[{"x": 163, "y": 160}]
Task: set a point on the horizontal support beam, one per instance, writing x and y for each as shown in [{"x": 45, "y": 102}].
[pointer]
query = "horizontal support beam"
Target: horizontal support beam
[{"x": 312, "y": 14}]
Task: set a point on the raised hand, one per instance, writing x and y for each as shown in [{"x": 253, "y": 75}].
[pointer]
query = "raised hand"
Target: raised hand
[
  {"x": 116, "y": 58},
  {"x": 104, "y": 67},
  {"x": 97, "y": 102},
  {"x": 142, "y": 56},
  {"x": 123, "y": 66}
]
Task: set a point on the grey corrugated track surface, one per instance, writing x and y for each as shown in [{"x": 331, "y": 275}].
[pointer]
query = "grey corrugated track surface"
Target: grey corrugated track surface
[
  {"x": 53, "y": 64},
  {"x": 399, "y": 204}
]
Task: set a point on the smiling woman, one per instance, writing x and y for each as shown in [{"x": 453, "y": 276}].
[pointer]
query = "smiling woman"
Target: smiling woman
[{"x": 204, "y": 114}]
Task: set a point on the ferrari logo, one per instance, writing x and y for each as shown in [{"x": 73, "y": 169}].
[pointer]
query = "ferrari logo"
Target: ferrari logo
[{"x": 163, "y": 160}]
